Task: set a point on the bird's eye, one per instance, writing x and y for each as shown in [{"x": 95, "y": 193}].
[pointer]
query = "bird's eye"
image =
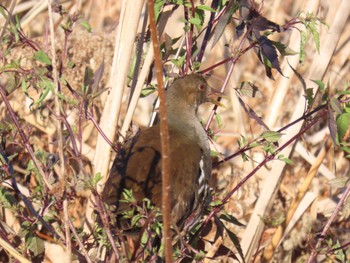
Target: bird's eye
[{"x": 202, "y": 86}]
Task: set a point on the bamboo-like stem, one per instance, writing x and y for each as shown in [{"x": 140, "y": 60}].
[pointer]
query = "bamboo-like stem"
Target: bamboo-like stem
[
  {"x": 164, "y": 134},
  {"x": 125, "y": 37},
  {"x": 126, "y": 33}
]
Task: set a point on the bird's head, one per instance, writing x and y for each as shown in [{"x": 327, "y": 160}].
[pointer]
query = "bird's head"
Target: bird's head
[{"x": 190, "y": 90}]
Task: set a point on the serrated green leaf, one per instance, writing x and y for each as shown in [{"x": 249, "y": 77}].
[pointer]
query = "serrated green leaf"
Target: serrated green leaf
[
  {"x": 284, "y": 159},
  {"x": 6, "y": 198},
  {"x": 205, "y": 8},
  {"x": 254, "y": 144},
  {"x": 309, "y": 95},
  {"x": 271, "y": 136},
  {"x": 41, "y": 56},
  {"x": 315, "y": 35},
  {"x": 36, "y": 245},
  {"x": 178, "y": 62},
  {"x": 195, "y": 21},
  {"x": 343, "y": 122},
  {"x": 320, "y": 84},
  {"x": 283, "y": 49}
]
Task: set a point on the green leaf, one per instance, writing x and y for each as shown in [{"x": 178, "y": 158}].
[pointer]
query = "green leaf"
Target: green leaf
[
  {"x": 88, "y": 80},
  {"x": 218, "y": 119},
  {"x": 271, "y": 136},
  {"x": 224, "y": 20},
  {"x": 332, "y": 125},
  {"x": 284, "y": 159},
  {"x": 214, "y": 153},
  {"x": 41, "y": 56},
  {"x": 283, "y": 49},
  {"x": 128, "y": 196},
  {"x": 158, "y": 6},
  {"x": 195, "y": 21},
  {"x": 215, "y": 203},
  {"x": 230, "y": 219},
  {"x": 242, "y": 142},
  {"x": 6, "y": 199},
  {"x": 48, "y": 86},
  {"x": 320, "y": 84},
  {"x": 343, "y": 122},
  {"x": 235, "y": 241},
  {"x": 206, "y": 8},
  {"x": 309, "y": 95},
  {"x": 14, "y": 64},
  {"x": 96, "y": 179},
  {"x": 335, "y": 105},
  {"x": 303, "y": 41},
  {"x": 315, "y": 34},
  {"x": 86, "y": 25},
  {"x": 36, "y": 245},
  {"x": 343, "y": 92},
  {"x": 71, "y": 64},
  {"x": 147, "y": 91},
  {"x": 345, "y": 148},
  {"x": 178, "y": 62},
  {"x": 135, "y": 219}
]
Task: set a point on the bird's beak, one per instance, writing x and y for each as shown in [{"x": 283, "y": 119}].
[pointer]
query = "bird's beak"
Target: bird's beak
[{"x": 214, "y": 96}]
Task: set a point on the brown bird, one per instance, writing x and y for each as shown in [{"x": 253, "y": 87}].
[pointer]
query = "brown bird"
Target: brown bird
[{"x": 138, "y": 165}]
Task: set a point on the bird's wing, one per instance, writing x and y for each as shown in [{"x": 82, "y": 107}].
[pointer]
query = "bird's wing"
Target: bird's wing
[{"x": 138, "y": 167}]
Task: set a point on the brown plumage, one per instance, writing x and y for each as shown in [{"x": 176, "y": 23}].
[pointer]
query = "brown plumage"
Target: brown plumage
[{"x": 138, "y": 165}]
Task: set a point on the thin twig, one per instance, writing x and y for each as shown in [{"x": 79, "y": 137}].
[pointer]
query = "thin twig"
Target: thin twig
[
  {"x": 81, "y": 245},
  {"x": 166, "y": 183},
  {"x": 336, "y": 211},
  {"x": 266, "y": 160},
  {"x": 58, "y": 123},
  {"x": 24, "y": 138}
]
